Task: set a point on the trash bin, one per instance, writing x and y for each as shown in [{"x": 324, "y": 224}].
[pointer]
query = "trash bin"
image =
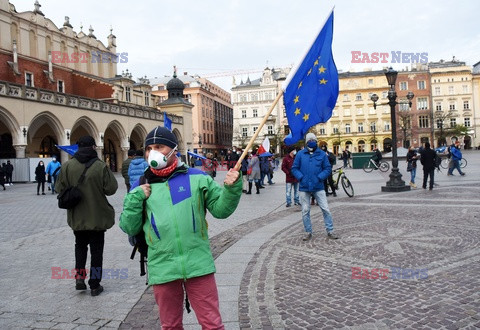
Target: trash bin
[{"x": 360, "y": 158}]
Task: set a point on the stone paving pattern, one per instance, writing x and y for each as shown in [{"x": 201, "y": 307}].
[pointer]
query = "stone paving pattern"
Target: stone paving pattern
[{"x": 281, "y": 281}]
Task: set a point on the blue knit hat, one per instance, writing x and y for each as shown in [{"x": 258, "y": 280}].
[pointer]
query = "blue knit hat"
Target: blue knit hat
[{"x": 161, "y": 135}]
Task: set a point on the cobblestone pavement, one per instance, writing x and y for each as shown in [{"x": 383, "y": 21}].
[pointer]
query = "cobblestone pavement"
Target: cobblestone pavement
[{"x": 268, "y": 277}]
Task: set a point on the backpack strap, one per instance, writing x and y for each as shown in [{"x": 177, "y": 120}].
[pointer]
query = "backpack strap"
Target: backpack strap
[{"x": 87, "y": 165}]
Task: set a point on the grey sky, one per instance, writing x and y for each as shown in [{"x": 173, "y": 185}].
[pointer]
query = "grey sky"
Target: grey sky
[{"x": 206, "y": 37}]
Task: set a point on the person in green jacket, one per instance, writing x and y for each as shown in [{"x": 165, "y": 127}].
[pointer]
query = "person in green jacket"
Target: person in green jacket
[
  {"x": 179, "y": 257},
  {"x": 93, "y": 215}
]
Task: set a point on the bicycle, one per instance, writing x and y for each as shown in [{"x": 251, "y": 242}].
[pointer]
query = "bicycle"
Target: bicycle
[
  {"x": 341, "y": 177},
  {"x": 371, "y": 165},
  {"x": 446, "y": 161}
]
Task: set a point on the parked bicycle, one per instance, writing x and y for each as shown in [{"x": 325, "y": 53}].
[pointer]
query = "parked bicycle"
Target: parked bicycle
[
  {"x": 372, "y": 165},
  {"x": 446, "y": 161},
  {"x": 339, "y": 176}
]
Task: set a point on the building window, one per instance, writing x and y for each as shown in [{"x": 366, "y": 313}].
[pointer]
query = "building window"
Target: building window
[
  {"x": 437, "y": 91},
  {"x": 451, "y": 90},
  {"x": 335, "y": 130},
  {"x": 465, "y": 89},
  {"x": 270, "y": 130},
  {"x": 322, "y": 131},
  {"x": 244, "y": 132},
  {"x": 466, "y": 106},
  {"x": 255, "y": 113},
  {"x": 255, "y": 129},
  {"x": 384, "y": 95},
  {"x": 439, "y": 123},
  {"x": 60, "y": 86},
  {"x": 403, "y": 86},
  {"x": 334, "y": 113},
  {"x": 254, "y": 97},
  {"x": 345, "y": 98},
  {"x": 347, "y": 128},
  {"x": 453, "y": 122},
  {"x": 128, "y": 95},
  {"x": 360, "y": 127},
  {"x": 147, "y": 99},
  {"x": 358, "y": 97},
  {"x": 243, "y": 98},
  {"x": 370, "y": 81},
  {"x": 244, "y": 113},
  {"x": 387, "y": 127},
  {"x": 404, "y": 107},
  {"x": 422, "y": 103},
  {"x": 373, "y": 126},
  {"x": 359, "y": 111},
  {"x": 29, "y": 79},
  {"x": 203, "y": 124},
  {"x": 372, "y": 111},
  {"x": 423, "y": 121},
  {"x": 421, "y": 84},
  {"x": 452, "y": 106},
  {"x": 347, "y": 112},
  {"x": 438, "y": 106},
  {"x": 466, "y": 122}
]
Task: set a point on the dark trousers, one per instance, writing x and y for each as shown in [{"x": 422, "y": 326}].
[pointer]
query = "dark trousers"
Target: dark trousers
[
  {"x": 329, "y": 181},
  {"x": 96, "y": 240},
  {"x": 8, "y": 178},
  {"x": 43, "y": 187},
  {"x": 427, "y": 173}
]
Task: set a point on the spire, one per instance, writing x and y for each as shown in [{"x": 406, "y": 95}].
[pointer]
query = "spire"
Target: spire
[
  {"x": 174, "y": 71},
  {"x": 91, "y": 35}
]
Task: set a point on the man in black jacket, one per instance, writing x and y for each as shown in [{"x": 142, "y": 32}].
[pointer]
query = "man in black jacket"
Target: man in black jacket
[{"x": 428, "y": 161}]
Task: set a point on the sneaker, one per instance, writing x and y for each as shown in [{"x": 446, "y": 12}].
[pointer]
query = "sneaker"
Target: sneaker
[
  {"x": 43, "y": 193},
  {"x": 96, "y": 291},
  {"x": 332, "y": 235},
  {"x": 334, "y": 194},
  {"x": 307, "y": 237},
  {"x": 80, "y": 285},
  {"x": 288, "y": 205},
  {"x": 462, "y": 174},
  {"x": 448, "y": 174},
  {"x": 297, "y": 203}
]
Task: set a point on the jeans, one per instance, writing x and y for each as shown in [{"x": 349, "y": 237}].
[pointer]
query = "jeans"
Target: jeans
[
  {"x": 96, "y": 240},
  {"x": 456, "y": 165},
  {"x": 321, "y": 199},
  {"x": 295, "y": 193},
  {"x": 413, "y": 174}
]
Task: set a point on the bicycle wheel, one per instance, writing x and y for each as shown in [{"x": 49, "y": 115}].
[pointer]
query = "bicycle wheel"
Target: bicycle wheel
[
  {"x": 444, "y": 163},
  {"x": 384, "y": 166},
  {"x": 367, "y": 167},
  {"x": 347, "y": 186},
  {"x": 463, "y": 162}
]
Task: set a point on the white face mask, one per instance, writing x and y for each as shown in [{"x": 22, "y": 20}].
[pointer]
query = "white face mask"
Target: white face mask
[
  {"x": 157, "y": 160},
  {"x": 294, "y": 152}
]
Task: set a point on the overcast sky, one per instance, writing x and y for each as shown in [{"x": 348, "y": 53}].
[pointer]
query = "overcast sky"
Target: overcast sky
[{"x": 209, "y": 37}]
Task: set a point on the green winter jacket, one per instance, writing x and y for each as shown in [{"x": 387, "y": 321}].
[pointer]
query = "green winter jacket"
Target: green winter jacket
[
  {"x": 94, "y": 212},
  {"x": 176, "y": 230}
]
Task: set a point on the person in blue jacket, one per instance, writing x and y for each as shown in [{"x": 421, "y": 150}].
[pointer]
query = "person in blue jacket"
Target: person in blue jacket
[
  {"x": 456, "y": 158},
  {"x": 137, "y": 167},
  {"x": 311, "y": 167}
]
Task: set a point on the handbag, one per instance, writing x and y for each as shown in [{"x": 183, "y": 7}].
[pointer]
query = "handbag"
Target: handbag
[
  {"x": 71, "y": 196},
  {"x": 249, "y": 171},
  {"x": 409, "y": 166}
]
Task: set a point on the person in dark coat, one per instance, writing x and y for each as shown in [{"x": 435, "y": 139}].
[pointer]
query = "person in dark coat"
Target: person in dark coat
[
  {"x": 8, "y": 173},
  {"x": 412, "y": 165},
  {"x": 93, "y": 215},
  {"x": 40, "y": 177},
  {"x": 125, "y": 165},
  {"x": 428, "y": 161},
  {"x": 329, "y": 180},
  {"x": 2, "y": 176},
  {"x": 291, "y": 181}
]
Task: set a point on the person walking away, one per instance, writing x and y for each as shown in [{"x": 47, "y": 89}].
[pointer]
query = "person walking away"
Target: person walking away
[
  {"x": 40, "y": 177},
  {"x": 427, "y": 159},
  {"x": 311, "y": 167},
  {"x": 291, "y": 181},
  {"x": 137, "y": 167},
  {"x": 179, "y": 254},
  {"x": 264, "y": 169},
  {"x": 254, "y": 176},
  {"x": 209, "y": 165},
  {"x": 8, "y": 173},
  {"x": 93, "y": 215},
  {"x": 346, "y": 154},
  {"x": 456, "y": 158},
  {"x": 2, "y": 176},
  {"x": 412, "y": 165},
  {"x": 125, "y": 166},
  {"x": 52, "y": 170},
  {"x": 329, "y": 180}
]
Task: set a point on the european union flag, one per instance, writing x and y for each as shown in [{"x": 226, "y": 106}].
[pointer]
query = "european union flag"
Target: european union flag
[
  {"x": 311, "y": 90},
  {"x": 167, "y": 122},
  {"x": 71, "y": 150}
]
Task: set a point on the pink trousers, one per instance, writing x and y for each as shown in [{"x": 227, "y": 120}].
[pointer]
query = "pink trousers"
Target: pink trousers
[{"x": 203, "y": 296}]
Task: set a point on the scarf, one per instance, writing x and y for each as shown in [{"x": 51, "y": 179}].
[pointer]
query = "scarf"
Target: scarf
[{"x": 165, "y": 171}]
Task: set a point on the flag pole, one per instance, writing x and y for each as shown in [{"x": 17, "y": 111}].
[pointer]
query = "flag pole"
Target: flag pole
[{"x": 254, "y": 137}]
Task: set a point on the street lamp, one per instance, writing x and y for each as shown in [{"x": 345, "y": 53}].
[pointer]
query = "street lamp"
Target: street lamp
[{"x": 395, "y": 184}]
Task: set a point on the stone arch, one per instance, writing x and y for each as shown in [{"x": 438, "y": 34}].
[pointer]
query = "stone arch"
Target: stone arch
[
  {"x": 181, "y": 148},
  {"x": 137, "y": 137},
  {"x": 9, "y": 134},
  {"x": 84, "y": 126},
  {"x": 44, "y": 132},
  {"x": 112, "y": 145}
]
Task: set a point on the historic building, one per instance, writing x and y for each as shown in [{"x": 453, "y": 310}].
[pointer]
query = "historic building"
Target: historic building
[
  {"x": 57, "y": 85},
  {"x": 251, "y": 101},
  {"x": 212, "y": 113}
]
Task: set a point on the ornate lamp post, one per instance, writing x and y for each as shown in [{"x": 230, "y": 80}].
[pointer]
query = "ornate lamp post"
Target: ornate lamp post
[{"x": 395, "y": 184}]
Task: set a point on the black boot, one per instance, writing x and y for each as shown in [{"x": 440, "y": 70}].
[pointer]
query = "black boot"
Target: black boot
[
  {"x": 249, "y": 192},
  {"x": 258, "y": 187}
]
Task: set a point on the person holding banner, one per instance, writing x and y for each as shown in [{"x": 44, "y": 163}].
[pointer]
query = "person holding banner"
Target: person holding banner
[{"x": 311, "y": 168}]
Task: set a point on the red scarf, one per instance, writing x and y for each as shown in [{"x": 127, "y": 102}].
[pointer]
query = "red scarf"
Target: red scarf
[{"x": 165, "y": 171}]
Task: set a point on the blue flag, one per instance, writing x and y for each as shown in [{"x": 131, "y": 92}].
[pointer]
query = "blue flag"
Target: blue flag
[
  {"x": 167, "y": 122},
  {"x": 71, "y": 150},
  {"x": 311, "y": 90}
]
